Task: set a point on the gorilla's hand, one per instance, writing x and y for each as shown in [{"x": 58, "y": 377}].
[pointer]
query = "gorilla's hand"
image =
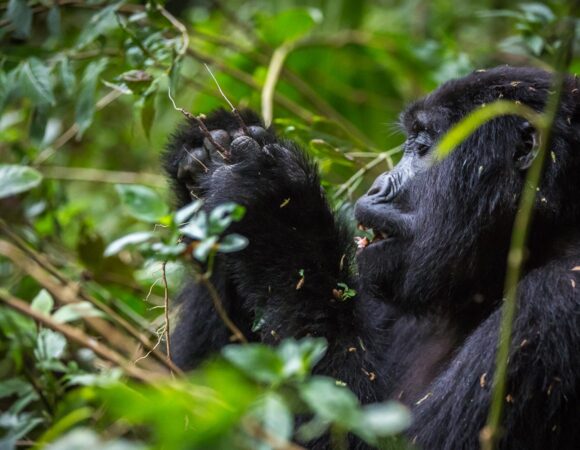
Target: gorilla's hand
[{"x": 246, "y": 165}]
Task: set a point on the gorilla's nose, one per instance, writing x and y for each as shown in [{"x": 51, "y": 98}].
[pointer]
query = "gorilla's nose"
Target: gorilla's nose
[{"x": 385, "y": 188}]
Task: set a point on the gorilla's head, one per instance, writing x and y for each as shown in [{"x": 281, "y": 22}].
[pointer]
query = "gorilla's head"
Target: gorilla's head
[{"x": 442, "y": 229}]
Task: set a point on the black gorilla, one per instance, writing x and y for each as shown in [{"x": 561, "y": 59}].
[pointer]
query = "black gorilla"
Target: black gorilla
[{"x": 423, "y": 327}]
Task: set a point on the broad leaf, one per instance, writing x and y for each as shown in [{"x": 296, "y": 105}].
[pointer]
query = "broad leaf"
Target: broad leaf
[
  {"x": 86, "y": 103},
  {"x": 17, "y": 179},
  {"x": 142, "y": 202},
  {"x": 36, "y": 82},
  {"x": 130, "y": 239}
]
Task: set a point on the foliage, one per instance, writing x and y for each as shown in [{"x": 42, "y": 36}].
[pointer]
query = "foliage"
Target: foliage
[{"x": 84, "y": 104}]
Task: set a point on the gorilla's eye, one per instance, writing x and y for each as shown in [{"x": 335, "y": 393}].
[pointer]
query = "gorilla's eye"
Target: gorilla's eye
[{"x": 423, "y": 143}]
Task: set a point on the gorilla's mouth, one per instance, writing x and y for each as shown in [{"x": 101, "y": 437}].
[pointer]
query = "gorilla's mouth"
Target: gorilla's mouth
[{"x": 373, "y": 236}]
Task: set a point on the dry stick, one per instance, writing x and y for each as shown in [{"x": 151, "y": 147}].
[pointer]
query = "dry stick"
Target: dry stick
[
  {"x": 384, "y": 156},
  {"x": 102, "y": 176},
  {"x": 234, "y": 110},
  {"x": 490, "y": 434},
  {"x": 76, "y": 335},
  {"x": 166, "y": 312},
  {"x": 41, "y": 271},
  {"x": 221, "y": 150},
  {"x": 217, "y": 303}
]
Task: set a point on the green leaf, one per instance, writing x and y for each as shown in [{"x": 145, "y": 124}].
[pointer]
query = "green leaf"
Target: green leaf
[
  {"x": 142, "y": 202},
  {"x": 130, "y": 239},
  {"x": 49, "y": 345},
  {"x": 14, "y": 386},
  {"x": 53, "y": 21},
  {"x": 76, "y": 311},
  {"x": 20, "y": 14},
  {"x": 223, "y": 215},
  {"x": 301, "y": 356},
  {"x": 36, "y": 82},
  {"x": 67, "y": 75},
  {"x": 148, "y": 113},
  {"x": 16, "y": 179},
  {"x": 43, "y": 302},
  {"x": 38, "y": 123},
  {"x": 331, "y": 402},
  {"x": 257, "y": 361},
  {"x": 196, "y": 228},
  {"x": 85, "y": 107},
  {"x": 203, "y": 249},
  {"x": 232, "y": 243},
  {"x": 184, "y": 214},
  {"x": 274, "y": 415},
  {"x": 385, "y": 419},
  {"x": 102, "y": 22}
]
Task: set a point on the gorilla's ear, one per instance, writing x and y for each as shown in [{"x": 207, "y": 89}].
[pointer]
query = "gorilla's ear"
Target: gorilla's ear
[{"x": 527, "y": 149}]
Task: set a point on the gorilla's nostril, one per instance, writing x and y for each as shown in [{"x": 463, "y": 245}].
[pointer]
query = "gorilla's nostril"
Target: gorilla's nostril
[{"x": 373, "y": 191}]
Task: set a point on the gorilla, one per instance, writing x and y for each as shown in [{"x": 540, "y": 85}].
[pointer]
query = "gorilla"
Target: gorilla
[{"x": 423, "y": 327}]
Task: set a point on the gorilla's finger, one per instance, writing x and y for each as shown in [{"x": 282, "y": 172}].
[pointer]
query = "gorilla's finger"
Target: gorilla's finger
[
  {"x": 193, "y": 163},
  {"x": 220, "y": 137},
  {"x": 244, "y": 147}
]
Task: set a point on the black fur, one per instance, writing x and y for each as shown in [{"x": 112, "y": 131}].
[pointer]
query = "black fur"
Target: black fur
[{"x": 426, "y": 318}]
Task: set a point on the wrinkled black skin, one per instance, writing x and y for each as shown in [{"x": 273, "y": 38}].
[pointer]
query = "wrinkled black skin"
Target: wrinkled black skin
[{"x": 426, "y": 317}]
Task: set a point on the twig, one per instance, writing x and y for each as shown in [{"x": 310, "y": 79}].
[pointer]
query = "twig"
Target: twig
[
  {"x": 219, "y": 307},
  {"x": 166, "y": 312},
  {"x": 234, "y": 110},
  {"x": 221, "y": 150},
  {"x": 180, "y": 27},
  {"x": 76, "y": 335},
  {"x": 384, "y": 156},
  {"x": 43, "y": 272},
  {"x": 102, "y": 176}
]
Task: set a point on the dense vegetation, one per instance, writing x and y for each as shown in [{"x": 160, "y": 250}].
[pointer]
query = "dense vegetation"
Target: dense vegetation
[{"x": 90, "y": 250}]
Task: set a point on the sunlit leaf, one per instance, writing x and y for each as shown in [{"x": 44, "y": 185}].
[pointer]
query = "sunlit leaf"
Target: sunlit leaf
[
  {"x": 233, "y": 243},
  {"x": 101, "y": 22},
  {"x": 257, "y": 361},
  {"x": 17, "y": 179},
  {"x": 203, "y": 249},
  {"x": 36, "y": 82},
  {"x": 142, "y": 202},
  {"x": 43, "y": 302},
  {"x": 130, "y": 239},
  {"x": 19, "y": 14},
  {"x": 76, "y": 311}
]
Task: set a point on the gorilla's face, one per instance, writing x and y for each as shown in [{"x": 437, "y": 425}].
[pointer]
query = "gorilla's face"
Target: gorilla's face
[{"x": 440, "y": 225}]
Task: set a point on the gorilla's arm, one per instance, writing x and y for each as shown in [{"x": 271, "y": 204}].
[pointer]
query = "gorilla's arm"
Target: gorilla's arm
[
  {"x": 542, "y": 372},
  {"x": 286, "y": 280}
]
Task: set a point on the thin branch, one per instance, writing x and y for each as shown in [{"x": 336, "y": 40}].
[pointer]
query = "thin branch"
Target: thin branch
[
  {"x": 219, "y": 148},
  {"x": 166, "y": 312},
  {"x": 219, "y": 307},
  {"x": 384, "y": 156},
  {"x": 180, "y": 27},
  {"x": 76, "y": 335},
  {"x": 234, "y": 110},
  {"x": 102, "y": 176},
  {"x": 65, "y": 292}
]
